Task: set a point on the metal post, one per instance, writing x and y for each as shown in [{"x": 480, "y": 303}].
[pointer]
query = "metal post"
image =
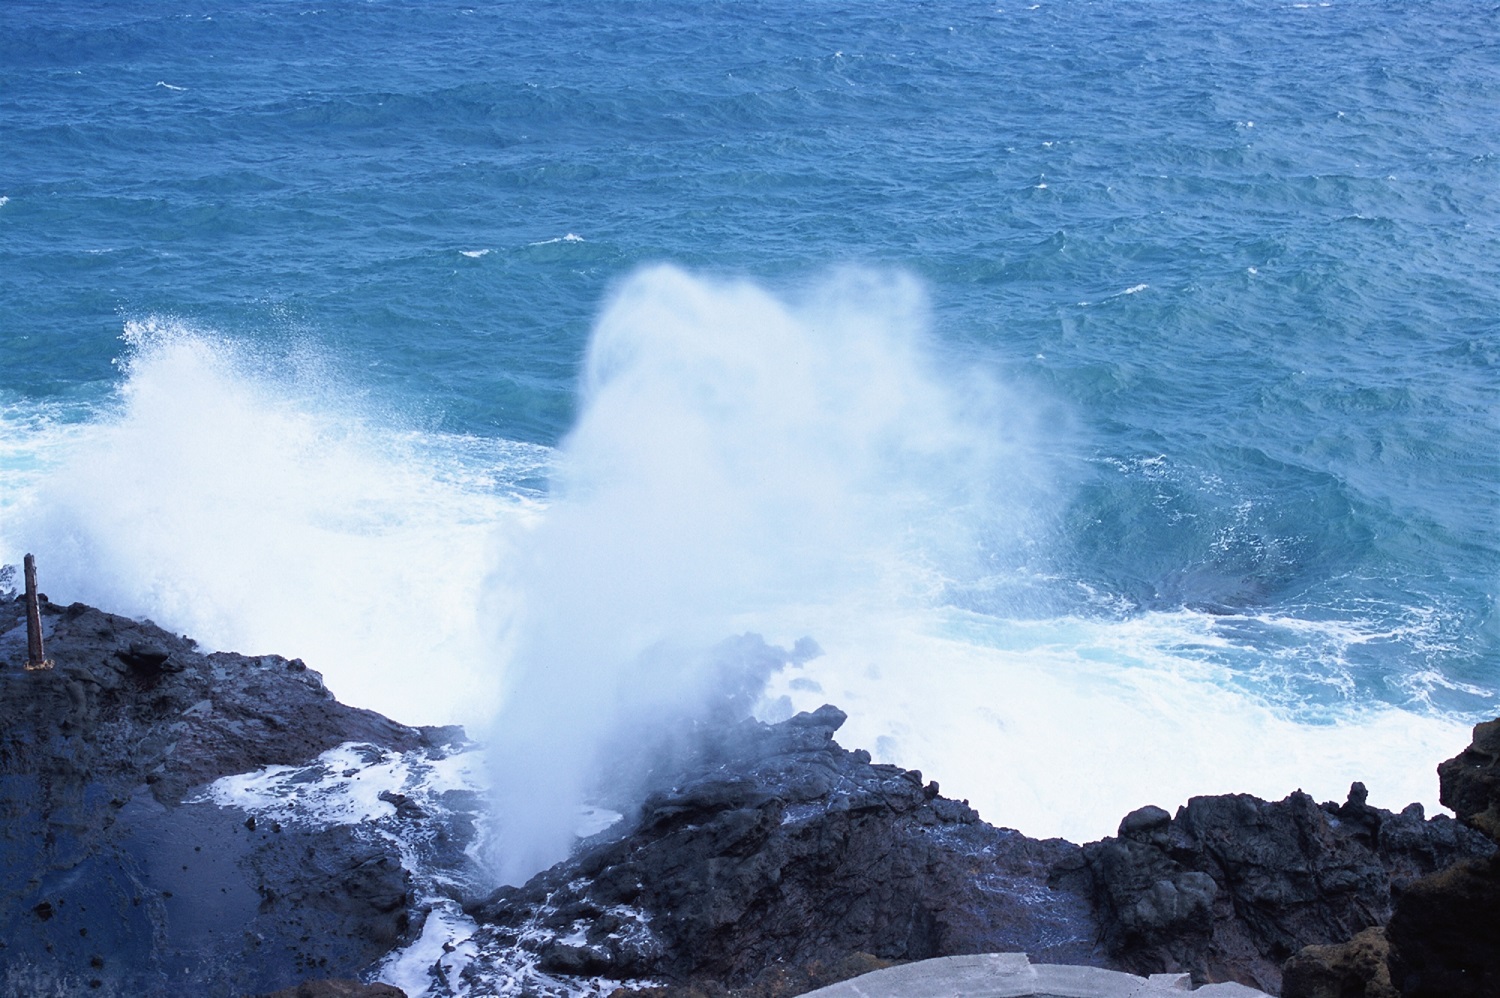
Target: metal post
[{"x": 34, "y": 657}]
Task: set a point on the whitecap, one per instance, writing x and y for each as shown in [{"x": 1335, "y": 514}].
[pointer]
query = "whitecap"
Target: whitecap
[
  {"x": 474, "y": 254},
  {"x": 569, "y": 238},
  {"x": 164, "y": 83}
]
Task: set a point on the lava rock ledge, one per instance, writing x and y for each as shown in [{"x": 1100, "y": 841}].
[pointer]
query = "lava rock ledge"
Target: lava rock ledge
[{"x": 176, "y": 822}]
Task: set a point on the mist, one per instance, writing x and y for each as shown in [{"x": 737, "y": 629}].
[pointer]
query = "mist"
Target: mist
[
  {"x": 254, "y": 500},
  {"x": 738, "y": 459}
]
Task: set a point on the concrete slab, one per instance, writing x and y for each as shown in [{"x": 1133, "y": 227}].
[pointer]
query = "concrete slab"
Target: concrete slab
[{"x": 1013, "y": 975}]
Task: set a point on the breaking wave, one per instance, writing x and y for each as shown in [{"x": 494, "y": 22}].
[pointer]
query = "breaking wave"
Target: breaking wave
[{"x": 803, "y": 466}]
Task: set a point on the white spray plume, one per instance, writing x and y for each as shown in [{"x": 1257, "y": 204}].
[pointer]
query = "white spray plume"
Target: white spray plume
[
  {"x": 734, "y": 454},
  {"x": 243, "y": 499}
]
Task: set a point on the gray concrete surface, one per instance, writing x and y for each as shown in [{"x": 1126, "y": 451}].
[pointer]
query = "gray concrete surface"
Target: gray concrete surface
[{"x": 1013, "y": 975}]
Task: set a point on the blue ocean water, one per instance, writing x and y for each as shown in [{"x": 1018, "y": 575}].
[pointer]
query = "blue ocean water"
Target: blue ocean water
[{"x": 1184, "y": 395}]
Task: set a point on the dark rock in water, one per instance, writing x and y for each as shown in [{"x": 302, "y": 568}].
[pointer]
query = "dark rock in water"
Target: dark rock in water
[
  {"x": 112, "y": 880},
  {"x": 779, "y": 850},
  {"x": 1445, "y": 932},
  {"x": 1233, "y": 886}
]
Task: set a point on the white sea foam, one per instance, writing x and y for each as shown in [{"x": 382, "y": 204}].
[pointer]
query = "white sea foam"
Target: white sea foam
[
  {"x": 343, "y": 785},
  {"x": 164, "y": 83},
  {"x": 4, "y": 201},
  {"x": 475, "y": 254},
  {"x": 1061, "y": 727},
  {"x": 444, "y": 944},
  {"x": 253, "y": 501},
  {"x": 569, "y": 238}
]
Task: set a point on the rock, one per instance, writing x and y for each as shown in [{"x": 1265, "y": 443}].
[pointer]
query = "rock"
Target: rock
[
  {"x": 754, "y": 861},
  {"x": 1233, "y": 886},
  {"x": 1445, "y": 932},
  {"x": 337, "y": 988},
  {"x": 1355, "y": 969},
  {"x": 774, "y": 855},
  {"x": 111, "y": 872},
  {"x": 1469, "y": 783},
  {"x": 777, "y": 982},
  {"x": 1143, "y": 822}
]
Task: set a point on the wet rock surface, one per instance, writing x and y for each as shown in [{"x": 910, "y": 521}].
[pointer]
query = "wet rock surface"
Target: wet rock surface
[
  {"x": 112, "y": 880},
  {"x": 780, "y": 851},
  {"x": 1445, "y": 932},
  {"x": 1356, "y": 969},
  {"x": 1443, "y": 936},
  {"x": 1469, "y": 783},
  {"x": 338, "y": 988},
  {"x": 173, "y": 822},
  {"x": 1231, "y": 887}
]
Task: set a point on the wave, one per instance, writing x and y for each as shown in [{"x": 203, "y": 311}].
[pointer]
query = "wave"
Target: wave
[
  {"x": 802, "y": 466},
  {"x": 809, "y": 467},
  {"x": 253, "y": 501},
  {"x": 1063, "y": 726}
]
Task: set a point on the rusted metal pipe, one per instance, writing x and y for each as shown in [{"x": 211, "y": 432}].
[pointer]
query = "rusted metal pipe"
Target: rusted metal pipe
[{"x": 34, "y": 657}]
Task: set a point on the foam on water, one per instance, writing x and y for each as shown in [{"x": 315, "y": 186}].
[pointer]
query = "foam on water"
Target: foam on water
[
  {"x": 444, "y": 944},
  {"x": 1061, "y": 727}
]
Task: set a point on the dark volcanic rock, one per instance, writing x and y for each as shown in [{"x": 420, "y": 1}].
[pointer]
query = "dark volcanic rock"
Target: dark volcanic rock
[
  {"x": 778, "y": 849},
  {"x": 112, "y": 880},
  {"x": 1356, "y": 969},
  {"x": 1469, "y": 783},
  {"x": 1445, "y": 933},
  {"x": 338, "y": 988},
  {"x": 768, "y": 860},
  {"x": 1233, "y": 886}
]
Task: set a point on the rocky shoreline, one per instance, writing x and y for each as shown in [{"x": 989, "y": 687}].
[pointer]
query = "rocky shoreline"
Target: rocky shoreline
[{"x": 176, "y": 822}]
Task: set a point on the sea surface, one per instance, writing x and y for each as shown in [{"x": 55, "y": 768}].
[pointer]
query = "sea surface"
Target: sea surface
[{"x": 1110, "y": 391}]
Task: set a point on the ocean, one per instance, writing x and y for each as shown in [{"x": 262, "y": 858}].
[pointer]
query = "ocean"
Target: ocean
[{"x": 1109, "y": 391}]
